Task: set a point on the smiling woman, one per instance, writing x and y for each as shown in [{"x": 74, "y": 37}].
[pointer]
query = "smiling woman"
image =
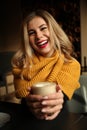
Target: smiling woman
[
  {"x": 45, "y": 55},
  {"x": 39, "y": 37}
]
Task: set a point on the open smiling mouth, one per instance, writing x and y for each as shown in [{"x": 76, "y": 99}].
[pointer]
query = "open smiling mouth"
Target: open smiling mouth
[{"x": 43, "y": 44}]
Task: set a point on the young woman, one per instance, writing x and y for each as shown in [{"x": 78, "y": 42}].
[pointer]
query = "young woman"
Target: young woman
[{"x": 45, "y": 55}]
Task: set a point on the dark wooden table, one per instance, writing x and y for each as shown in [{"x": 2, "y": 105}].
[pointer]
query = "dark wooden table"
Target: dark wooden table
[{"x": 21, "y": 119}]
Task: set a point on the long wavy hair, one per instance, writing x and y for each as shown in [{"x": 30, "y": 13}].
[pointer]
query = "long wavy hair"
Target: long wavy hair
[{"x": 57, "y": 36}]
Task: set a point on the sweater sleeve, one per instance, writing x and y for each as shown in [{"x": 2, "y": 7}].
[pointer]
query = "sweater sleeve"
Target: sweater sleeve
[
  {"x": 68, "y": 77},
  {"x": 20, "y": 84},
  {"x": 21, "y": 87}
]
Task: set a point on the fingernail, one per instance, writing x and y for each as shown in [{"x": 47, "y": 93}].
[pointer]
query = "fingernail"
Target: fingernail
[
  {"x": 46, "y": 118},
  {"x": 43, "y": 103},
  {"x": 43, "y": 110},
  {"x": 45, "y": 97}
]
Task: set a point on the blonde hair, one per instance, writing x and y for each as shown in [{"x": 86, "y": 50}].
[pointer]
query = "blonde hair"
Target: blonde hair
[{"x": 57, "y": 36}]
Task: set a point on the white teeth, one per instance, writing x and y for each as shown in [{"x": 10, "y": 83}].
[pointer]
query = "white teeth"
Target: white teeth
[{"x": 42, "y": 43}]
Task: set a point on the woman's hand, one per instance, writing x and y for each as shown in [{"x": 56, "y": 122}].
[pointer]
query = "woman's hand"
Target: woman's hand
[
  {"x": 52, "y": 105},
  {"x": 35, "y": 106},
  {"x": 47, "y": 107}
]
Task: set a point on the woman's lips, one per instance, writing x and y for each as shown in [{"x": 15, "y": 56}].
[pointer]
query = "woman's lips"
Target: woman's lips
[{"x": 42, "y": 44}]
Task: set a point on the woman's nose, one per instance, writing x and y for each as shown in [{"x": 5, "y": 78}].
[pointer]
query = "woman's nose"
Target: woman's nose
[{"x": 38, "y": 34}]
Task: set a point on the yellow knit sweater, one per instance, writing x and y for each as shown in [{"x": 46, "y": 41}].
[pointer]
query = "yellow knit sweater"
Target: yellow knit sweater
[{"x": 53, "y": 69}]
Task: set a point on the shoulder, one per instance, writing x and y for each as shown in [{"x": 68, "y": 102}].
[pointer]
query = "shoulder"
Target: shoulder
[
  {"x": 18, "y": 60},
  {"x": 72, "y": 62},
  {"x": 72, "y": 66}
]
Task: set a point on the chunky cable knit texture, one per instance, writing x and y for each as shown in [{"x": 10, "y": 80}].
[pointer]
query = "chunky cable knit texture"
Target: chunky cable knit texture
[{"x": 53, "y": 69}]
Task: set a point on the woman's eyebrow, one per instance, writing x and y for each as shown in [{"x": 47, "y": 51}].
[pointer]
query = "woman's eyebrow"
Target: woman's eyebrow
[
  {"x": 39, "y": 27},
  {"x": 30, "y": 30},
  {"x": 42, "y": 25}
]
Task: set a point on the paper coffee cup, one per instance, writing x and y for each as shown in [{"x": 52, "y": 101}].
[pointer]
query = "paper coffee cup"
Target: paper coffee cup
[{"x": 44, "y": 88}]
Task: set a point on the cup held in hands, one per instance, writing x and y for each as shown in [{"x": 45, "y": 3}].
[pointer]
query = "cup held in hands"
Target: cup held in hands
[{"x": 44, "y": 88}]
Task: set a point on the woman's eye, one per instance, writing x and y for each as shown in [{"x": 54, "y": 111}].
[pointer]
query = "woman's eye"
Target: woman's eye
[
  {"x": 31, "y": 33},
  {"x": 43, "y": 28}
]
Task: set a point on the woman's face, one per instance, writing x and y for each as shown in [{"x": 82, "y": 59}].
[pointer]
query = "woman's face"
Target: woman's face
[{"x": 39, "y": 36}]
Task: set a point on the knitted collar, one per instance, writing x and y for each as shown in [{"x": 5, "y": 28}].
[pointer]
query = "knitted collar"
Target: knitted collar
[{"x": 43, "y": 69}]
